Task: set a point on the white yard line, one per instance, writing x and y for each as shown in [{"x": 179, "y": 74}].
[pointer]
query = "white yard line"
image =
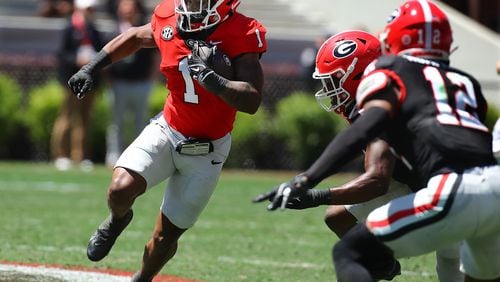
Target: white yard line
[
  {"x": 268, "y": 263},
  {"x": 41, "y": 272},
  {"x": 50, "y": 186}
]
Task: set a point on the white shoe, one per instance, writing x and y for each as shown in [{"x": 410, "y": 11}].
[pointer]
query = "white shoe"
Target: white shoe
[
  {"x": 86, "y": 165},
  {"x": 63, "y": 164}
]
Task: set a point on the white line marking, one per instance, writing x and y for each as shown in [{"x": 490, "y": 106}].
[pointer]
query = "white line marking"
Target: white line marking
[
  {"x": 50, "y": 186},
  {"x": 260, "y": 262},
  {"x": 13, "y": 271}
]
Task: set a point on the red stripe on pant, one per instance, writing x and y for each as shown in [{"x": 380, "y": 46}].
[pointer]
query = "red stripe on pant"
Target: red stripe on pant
[{"x": 415, "y": 210}]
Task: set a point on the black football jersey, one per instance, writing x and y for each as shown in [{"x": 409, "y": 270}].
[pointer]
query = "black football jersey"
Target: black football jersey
[{"x": 438, "y": 127}]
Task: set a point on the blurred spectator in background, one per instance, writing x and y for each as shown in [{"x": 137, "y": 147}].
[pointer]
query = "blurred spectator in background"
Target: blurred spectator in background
[
  {"x": 496, "y": 140},
  {"x": 130, "y": 82},
  {"x": 80, "y": 41},
  {"x": 111, "y": 7},
  {"x": 55, "y": 8},
  {"x": 496, "y": 130},
  {"x": 308, "y": 63}
]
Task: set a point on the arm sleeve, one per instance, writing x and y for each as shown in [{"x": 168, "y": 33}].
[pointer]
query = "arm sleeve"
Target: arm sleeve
[{"x": 347, "y": 144}]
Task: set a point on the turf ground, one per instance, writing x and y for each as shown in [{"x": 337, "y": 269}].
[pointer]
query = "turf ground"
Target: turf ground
[{"x": 47, "y": 216}]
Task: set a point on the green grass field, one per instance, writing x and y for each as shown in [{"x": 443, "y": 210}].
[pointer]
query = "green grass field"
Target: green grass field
[{"x": 47, "y": 216}]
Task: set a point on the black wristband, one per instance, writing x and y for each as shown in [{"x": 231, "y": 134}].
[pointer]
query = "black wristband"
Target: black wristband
[
  {"x": 323, "y": 197},
  {"x": 99, "y": 61},
  {"x": 212, "y": 81}
]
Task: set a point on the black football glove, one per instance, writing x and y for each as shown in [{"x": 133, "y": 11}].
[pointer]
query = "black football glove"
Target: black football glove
[
  {"x": 199, "y": 64},
  {"x": 310, "y": 199},
  {"x": 203, "y": 50},
  {"x": 285, "y": 192},
  {"x": 83, "y": 81}
]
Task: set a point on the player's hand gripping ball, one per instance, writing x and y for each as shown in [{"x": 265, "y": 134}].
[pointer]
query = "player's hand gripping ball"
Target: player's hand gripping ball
[{"x": 213, "y": 57}]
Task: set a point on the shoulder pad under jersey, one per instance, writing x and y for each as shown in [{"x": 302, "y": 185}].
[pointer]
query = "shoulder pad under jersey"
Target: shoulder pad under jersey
[
  {"x": 165, "y": 9},
  {"x": 386, "y": 62}
]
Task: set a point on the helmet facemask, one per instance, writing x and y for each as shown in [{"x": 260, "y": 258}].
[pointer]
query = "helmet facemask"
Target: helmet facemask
[
  {"x": 197, "y": 15},
  {"x": 332, "y": 97}
]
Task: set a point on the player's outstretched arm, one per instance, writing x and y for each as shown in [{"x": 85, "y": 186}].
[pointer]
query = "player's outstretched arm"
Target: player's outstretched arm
[
  {"x": 130, "y": 42},
  {"x": 374, "y": 182},
  {"x": 119, "y": 47}
]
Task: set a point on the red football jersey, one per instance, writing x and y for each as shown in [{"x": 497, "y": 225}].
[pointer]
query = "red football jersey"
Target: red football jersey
[{"x": 189, "y": 108}]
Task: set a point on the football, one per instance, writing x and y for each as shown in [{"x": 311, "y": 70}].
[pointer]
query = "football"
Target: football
[
  {"x": 221, "y": 64},
  {"x": 215, "y": 58}
]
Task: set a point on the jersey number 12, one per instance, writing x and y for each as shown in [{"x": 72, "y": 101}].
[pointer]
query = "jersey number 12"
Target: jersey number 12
[{"x": 463, "y": 111}]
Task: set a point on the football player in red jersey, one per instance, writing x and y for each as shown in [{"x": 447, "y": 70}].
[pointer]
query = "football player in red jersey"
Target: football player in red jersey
[
  {"x": 432, "y": 114},
  {"x": 190, "y": 140}
]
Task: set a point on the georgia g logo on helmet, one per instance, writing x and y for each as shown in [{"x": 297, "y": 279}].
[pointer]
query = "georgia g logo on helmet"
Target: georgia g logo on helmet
[{"x": 344, "y": 49}]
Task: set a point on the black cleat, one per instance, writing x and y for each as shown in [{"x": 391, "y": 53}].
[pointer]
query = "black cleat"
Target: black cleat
[
  {"x": 388, "y": 275},
  {"x": 102, "y": 240}
]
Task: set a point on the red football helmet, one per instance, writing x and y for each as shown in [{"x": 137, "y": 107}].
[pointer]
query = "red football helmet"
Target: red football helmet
[
  {"x": 418, "y": 28},
  {"x": 196, "y": 15},
  {"x": 340, "y": 63}
]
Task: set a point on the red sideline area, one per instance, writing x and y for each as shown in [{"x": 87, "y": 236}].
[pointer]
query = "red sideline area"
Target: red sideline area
[{"x": 158, "y": 278}]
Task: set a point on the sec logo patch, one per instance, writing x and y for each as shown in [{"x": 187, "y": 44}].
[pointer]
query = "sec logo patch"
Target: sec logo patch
[{"x": 167, "y": 33}]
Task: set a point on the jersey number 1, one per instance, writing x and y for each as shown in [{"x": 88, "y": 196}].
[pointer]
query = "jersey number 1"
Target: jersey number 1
[{"x": 189, "y": 96}]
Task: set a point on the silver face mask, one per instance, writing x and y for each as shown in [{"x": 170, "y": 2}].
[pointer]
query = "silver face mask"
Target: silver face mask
[{"x": 197, "y": 15}]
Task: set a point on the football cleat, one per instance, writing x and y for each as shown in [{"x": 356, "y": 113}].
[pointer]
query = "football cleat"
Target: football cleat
[
  {"x": 103, "y": 239},
  {"x": 388, "y": 275}
]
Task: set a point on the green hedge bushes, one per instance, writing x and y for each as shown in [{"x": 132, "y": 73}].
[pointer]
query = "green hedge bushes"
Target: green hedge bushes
[
  {"x": 253, "y": 143},
  {"x": 42, "y": 108},
  {"x": 157, "y": 99},
  {"x": 99, "y": 121},
  {"x": 290, "y": 137},
  {"x": 305, "y": 128},
  {"x": 10, "y": 113},
  {"x": 492, "y": 115}
]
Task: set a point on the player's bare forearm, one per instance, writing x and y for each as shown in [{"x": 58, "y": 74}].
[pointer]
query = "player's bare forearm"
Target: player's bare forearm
[
  {"x": 241, "y": 96},
  {"x": 244, "y": 91},
  {"x": 361, "y": 189},
  {"x": 374, "y": 182},
  {"x": 130, "y": 42}
]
